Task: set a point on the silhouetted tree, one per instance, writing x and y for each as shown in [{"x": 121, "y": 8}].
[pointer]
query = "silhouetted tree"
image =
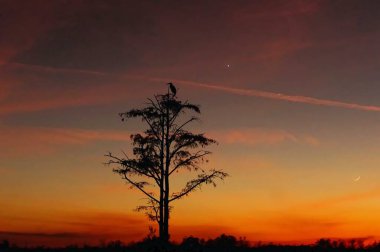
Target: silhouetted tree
[
  {"x": 191, "y": 244},
  {"x": 4, "y": 244},
  {"x": 324, "y": 243},
  {"x": 223, "y": 243},
  {"x": 164, "y": 148}
]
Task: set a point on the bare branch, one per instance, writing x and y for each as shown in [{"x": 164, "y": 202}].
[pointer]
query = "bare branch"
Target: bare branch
[
  {"x": 151, "y": 209},
  {"x": 189, "y": 160},
  {"x": 195, "y": 183},
  {"x": 123, "y": 162},
  {"x": 183, "y": 125},
  {"x": 155, "y": 104},
  {"x": 151, "y": 126},
  {"x": 136, "y": 185},
  {"x": 189, "y": 140}
]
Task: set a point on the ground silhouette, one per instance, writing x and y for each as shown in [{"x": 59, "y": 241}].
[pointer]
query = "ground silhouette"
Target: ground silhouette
[{"x": 223, "y": 243}]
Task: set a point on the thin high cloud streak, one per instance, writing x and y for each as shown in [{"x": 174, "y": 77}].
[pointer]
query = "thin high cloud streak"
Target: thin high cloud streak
[
  {"x": 37, "y": 99},
  {"x": 62, "y": 228},
  {"x": 226, "y": 89},
  {"x": 290, "y": 225},
  {"x": 64, "y": 101},
  {"x": 33, "y": 100},
  {"x": 23, "y": 24},
  {"x": 361, "y": 196},
  {"x": 278, "y": 96},
  {"x": 261, "y": 136},
  {"x": 50, "y": 235},
  {"x": 32, "y": 141}
]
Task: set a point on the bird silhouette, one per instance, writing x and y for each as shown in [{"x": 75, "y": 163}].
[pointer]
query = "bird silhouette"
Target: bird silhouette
[{"x": 172, "y": 88}]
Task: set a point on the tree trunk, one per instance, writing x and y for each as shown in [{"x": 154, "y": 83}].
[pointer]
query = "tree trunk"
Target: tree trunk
[
  {"x": 161, "y": 219},
  {"x": 166, "y": 176},
  {"x": 166, "y": 212},
  {"x": 162, "y": 183}
]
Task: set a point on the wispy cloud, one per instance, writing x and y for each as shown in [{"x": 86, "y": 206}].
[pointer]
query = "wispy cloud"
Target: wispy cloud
[
  {"x": 302, "y": 223},
  {"x": 49, "y": 235},
  {"x": 287, "y": 226},
  {"x": 261, "y": 136},
  {"x": 22, "y": 26},
  {"x": 46, "y": 101},
  {"x": 277, "y": 49},
  {"x": 64, "y": 228},
  {"x": 56, "y": 69},
  {"x": 16, "y": 96},
  {"x": 30, "y": 141},
  {"x": 354, "y": 197}
]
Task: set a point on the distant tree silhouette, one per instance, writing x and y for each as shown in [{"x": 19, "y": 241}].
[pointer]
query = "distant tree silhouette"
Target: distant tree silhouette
[
  {"x": 4, "y": 244},
  {"x": 159, "y": 152},
  {"x": 324, "y": 243},
  {"x": 191, "y": 244},
  {"x": 222, "y": 243}
]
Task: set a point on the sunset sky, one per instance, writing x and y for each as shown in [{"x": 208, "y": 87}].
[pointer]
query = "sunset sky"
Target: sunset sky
[{"x": 290, "y": 89}]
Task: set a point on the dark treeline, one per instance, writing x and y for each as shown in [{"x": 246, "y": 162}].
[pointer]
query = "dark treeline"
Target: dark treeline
[{"x": 223, "y": 243}]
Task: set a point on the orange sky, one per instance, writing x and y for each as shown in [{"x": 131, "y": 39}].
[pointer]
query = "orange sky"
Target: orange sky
[{"x": 289, "y": 89}]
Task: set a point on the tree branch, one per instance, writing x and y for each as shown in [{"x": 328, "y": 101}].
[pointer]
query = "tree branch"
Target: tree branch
[
  {"x": 138, "y": 187},
  {"x": 123, "y": 163},
  {"x": 151, "y": 126},
  {"x": 193, "y": 157},
  {"x": 202, "y": 178},
  {"x": 151, "y": 210},
  {"x": 183, "y": 125}
]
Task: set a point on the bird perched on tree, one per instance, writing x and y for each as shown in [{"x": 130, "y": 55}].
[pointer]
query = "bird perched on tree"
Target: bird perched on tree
[{"x": 172, "y": 88}]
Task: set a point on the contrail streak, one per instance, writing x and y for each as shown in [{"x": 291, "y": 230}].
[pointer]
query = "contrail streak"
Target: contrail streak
[
  {"x": 226, "y": 89},
  {"x": 276, "y": 96}
]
